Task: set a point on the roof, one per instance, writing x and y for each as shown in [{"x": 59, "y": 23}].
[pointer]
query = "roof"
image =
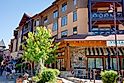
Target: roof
[
  {"x": 25, "y": 17},
  {"x": 2, "y": 44},
  {"x": 79, "y": 36},
  {"x": 97, "y": 37},
  {"x": 83, "y": 37},
  {"x": 47, "y": 9}
]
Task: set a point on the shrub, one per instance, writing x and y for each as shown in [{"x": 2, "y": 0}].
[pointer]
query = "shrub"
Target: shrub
[
  {"x": 109, "y": 76},
  {"x": 49, "y": 75},
  {"x": 18, "y": 66}
]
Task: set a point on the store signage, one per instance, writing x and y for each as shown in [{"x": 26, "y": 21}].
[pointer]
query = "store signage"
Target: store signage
[
  {"x": 102, "y": 15},
  {"x": 112, "y": 43}
]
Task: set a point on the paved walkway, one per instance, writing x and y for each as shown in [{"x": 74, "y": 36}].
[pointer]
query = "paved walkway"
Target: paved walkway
[{"x": 4, "y": 80}]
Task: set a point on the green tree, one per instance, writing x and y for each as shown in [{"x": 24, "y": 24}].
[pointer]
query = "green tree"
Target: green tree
[{"x": 40, "y": 47}]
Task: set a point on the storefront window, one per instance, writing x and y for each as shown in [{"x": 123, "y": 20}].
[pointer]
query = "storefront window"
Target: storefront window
[
  {"x": 99, "y": 63},
  {"x": 95, "y": 63},
  {"x": 91, "y": 63},
  {"x": 113, "y": 63}
]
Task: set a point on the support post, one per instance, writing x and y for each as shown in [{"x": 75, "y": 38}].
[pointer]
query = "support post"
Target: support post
[
  {"x": 89, "y": 15},
  {"x": 68, "y": 57}
]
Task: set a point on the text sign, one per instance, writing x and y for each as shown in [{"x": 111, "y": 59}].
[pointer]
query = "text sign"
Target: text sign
[{"x": 112, "y": 43}]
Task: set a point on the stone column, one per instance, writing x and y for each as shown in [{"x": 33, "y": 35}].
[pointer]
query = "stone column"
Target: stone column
[{"x": 68, "y": 58}]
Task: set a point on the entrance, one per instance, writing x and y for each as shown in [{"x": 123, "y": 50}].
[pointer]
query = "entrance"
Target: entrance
[{"x": 97, "y": 64}]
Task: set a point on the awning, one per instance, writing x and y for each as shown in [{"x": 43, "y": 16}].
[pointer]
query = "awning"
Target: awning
[{"x": 104, "y": 51}]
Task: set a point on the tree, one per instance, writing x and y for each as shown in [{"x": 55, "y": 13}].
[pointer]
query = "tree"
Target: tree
[{"x": 40, "y": 46}]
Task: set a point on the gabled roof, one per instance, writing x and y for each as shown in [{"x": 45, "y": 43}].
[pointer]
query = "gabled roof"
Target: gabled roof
[
  {"x": 2, "y": 44},
  {"x": 25, "y": 17}
]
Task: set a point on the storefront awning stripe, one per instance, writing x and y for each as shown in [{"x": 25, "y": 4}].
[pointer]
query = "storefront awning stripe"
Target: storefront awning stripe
[
  {"x": 122, "y": 51},
  {"x": 87, "y": 51},
  {"x": 100, "y": 53},
  {"x": 119, "y": 51},
  {"x": 97, "y": 51},
  {"x": 113, "y": 52},
  {"x": 104, "y": 51},
  {"x": 91, "y": 50}
]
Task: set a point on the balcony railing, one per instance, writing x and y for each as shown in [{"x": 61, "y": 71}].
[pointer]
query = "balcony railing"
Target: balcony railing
[
  {"x": 106, "y": 16},
  {"x": 106, "y": 0},
  {"x": 106, "y": 32}
]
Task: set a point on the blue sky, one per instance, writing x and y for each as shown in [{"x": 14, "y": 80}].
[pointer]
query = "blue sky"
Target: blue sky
[{"x": 11, "y": 12}]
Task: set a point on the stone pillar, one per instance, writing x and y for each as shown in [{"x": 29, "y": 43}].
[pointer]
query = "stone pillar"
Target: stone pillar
[{"x": 68, "y": 58}]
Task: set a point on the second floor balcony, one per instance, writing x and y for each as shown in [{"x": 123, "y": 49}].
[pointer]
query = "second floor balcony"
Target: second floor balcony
[{"x": 106, "y": 16}]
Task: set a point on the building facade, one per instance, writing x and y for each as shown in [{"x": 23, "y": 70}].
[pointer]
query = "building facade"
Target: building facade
[{"x": 86, "y": 30}]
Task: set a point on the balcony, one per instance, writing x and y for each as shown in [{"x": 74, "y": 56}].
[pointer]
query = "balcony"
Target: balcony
[
  {"x": 99, "y": 16},
  {"x": 106, "y": 0}
]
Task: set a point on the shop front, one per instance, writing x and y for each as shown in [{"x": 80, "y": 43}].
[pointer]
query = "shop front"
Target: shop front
[{"x": 82, "y": 56}]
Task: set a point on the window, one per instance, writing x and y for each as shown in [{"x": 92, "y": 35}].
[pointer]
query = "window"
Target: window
[
  {"x": 26, "y": 26},
  {"x": 74, "y": 16},
  {"x": 64, "y": 21},
  {"x": 64, "y": 33},
  {"x": 55, "y": 26},
  {"x": 74, "y": 2},
  {"x": 45, "y": 20},
  {"x": 55, "y": 14},
  {"x": 36, "y": 22},
  {"x": 64, "y": 7},
  {"x": 75, "y": 31}
]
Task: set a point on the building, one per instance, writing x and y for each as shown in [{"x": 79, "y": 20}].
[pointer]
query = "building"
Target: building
[
  {"x": 2, "y": 47},
  {"x": 86, "y": 30}
]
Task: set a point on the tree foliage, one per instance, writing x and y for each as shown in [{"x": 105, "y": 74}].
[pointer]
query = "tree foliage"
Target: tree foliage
[{"x": 39, "y": 46}]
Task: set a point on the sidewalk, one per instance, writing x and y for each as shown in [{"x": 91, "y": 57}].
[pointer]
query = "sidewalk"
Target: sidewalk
[
  {"x": 4, "y": 80},
  {"x": 77, "y": 80}
]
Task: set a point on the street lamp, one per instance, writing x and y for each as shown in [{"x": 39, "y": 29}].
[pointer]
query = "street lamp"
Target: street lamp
[{"x": 112, "y": 9}]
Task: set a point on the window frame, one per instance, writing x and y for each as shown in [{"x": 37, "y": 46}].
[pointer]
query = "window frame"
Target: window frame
[
  {"x": 65, "y": 31},
  {"x": 75, "y": 31},
  {"x": 64, "y": 7},
  {"x": 74, "y": 14},
  {"x": 53, "y": 27},
  {"x": 55, "y": 14},
  {"x": 45, "y": 20},
  {"x": 74, "y": 2},
  {"x": 64, "y": 21}
]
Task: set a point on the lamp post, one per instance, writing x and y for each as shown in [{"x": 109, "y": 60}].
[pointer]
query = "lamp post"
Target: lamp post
[{"x": 112, "y": 9}]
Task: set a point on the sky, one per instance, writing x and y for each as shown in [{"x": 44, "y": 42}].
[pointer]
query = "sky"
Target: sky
[{"x": 11, "y": 12}]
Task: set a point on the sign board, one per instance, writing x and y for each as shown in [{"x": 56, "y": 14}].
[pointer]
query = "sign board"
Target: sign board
[{"x": 112, "y": 43}]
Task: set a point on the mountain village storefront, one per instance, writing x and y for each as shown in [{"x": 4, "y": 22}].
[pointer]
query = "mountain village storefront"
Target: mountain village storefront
[{"x": 83, "y": 55}]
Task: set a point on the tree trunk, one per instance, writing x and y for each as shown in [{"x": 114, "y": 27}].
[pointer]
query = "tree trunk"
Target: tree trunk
[{"x": 41, "y": 65}]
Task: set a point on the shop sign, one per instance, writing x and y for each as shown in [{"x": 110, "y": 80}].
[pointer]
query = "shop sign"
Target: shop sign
[{"x": 112, "y": 43}]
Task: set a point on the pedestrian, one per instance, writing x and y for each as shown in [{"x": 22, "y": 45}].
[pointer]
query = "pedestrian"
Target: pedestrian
[{"x": 19, "y": 79}]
